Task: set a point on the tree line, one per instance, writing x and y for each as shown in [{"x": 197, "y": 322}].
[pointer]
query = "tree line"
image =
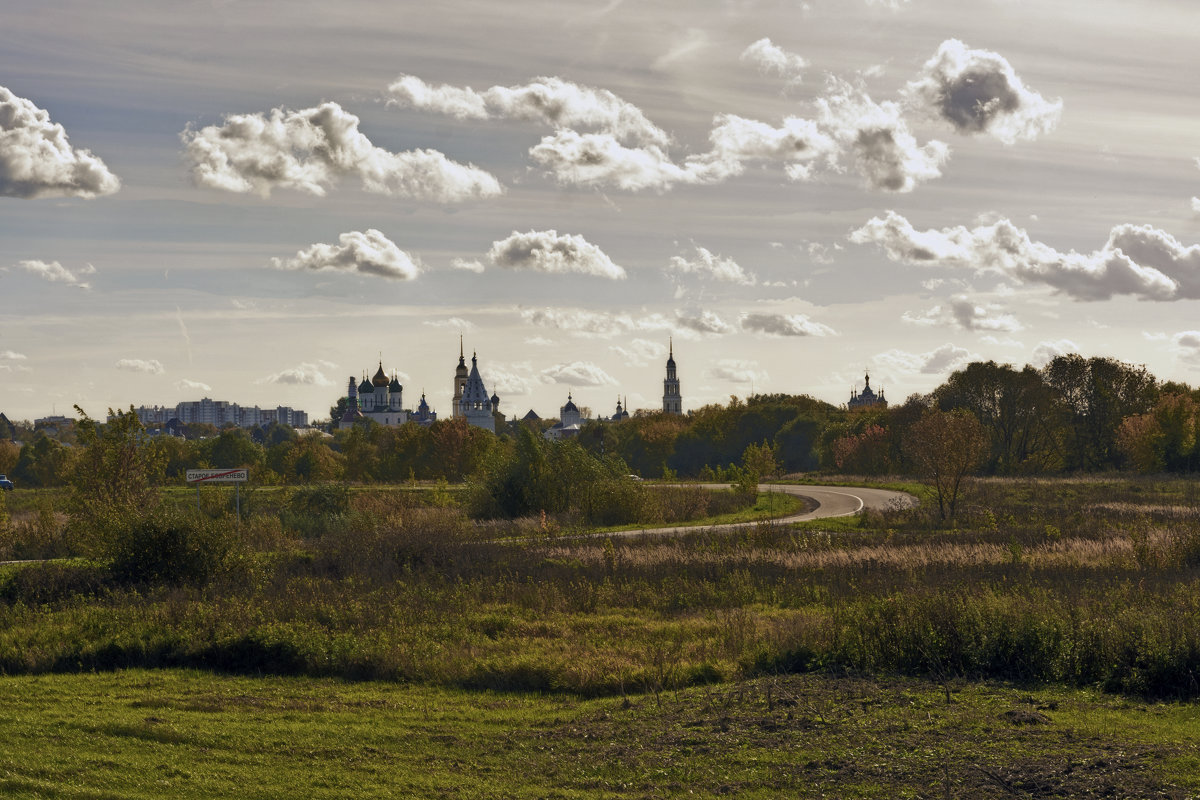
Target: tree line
[{"x": 1075, "y": 414}]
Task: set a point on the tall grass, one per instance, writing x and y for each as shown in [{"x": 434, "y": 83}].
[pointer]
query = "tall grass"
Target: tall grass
[{"x": 1100, "y": 589}]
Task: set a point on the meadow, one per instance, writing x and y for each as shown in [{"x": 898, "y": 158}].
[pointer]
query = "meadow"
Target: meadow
[
  {"x": 895, "y": 642},
  {"x": 188, "y": 734}
]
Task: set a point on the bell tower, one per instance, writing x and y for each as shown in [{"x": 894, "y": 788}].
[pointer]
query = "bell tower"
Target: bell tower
[
  {"x": 672, "y": 401},
  {"x": 460, "y": 380}
]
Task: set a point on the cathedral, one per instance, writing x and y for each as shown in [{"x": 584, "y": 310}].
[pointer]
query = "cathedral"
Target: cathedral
[
  {"x": 867, "y": 397},
  {"x": 379, "y": 400},
  {"x": 471, "y": 401}
]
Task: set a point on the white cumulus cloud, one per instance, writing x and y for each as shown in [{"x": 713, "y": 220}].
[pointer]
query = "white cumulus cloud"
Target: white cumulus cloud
[
  {"x": 706, "y": 263},
  {"x": 187, "y": 385},
  {"x": 639, "y": 352},
  {"x": 578, "y": 373},
  {"x": 307, "y": 150},
  {"x": 977, "y": 91},
  {"x": 784, "y": 325},
  {"x": 368, "y": 252},
  {"x": 600, "y": 159},
  {"x": 1137, "y": 260},
  {"x": 771, "y": 58},
  {"x": 885, "y": 150},
  {"x": 550, "y": 252},
  {"x": 148, "y": 366},
  {"x": 702, "y": 321},
  {"x": 736, "y": 371},
  {"x": 934, "y": 362},
  {"x": 304, "y": 374},
  {"x": 966, "y": 314},
  {"x": 467, "y": 265},
  {"x": 37, "y": 160},
  {"x": 1046, "y": 351},
  {"x": 549, "y": 100},
  {"x": 56, "y": 273}
]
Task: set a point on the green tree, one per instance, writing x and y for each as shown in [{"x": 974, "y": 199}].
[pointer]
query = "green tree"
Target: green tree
[
  {"x": 112, "y": 485},
  {"x": 1017, "y": 410},
  {"x": 1096, "y": 394},
  {"x": 761, "y": 460}
]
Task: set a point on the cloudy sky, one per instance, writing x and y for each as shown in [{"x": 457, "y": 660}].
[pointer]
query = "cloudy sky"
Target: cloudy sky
[{"x": 253, "y": 200}]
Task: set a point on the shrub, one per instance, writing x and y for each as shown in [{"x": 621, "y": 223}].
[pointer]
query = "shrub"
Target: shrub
[
  {"x": 36, "y": 584},
  {"x": 171, "y": 547},
  {"x": 316, "y": 510}
]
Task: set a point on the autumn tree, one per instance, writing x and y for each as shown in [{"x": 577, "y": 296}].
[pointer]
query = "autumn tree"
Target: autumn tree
[{"x": 945, "y": 447}]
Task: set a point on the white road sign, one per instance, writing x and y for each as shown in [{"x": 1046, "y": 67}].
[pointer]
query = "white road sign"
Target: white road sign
[{"x": 218, "y": 475}]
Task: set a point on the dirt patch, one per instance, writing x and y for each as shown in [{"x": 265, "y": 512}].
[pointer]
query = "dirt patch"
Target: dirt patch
[{"x": 810, "y": 736}]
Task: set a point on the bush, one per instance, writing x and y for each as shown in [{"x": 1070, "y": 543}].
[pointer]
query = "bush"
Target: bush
[
  {"x": 171, "y": 547},
  {"x": 36, "y": 584},
  {"x": 316, "y": 510},
  {"x": 384, "y": 548}
]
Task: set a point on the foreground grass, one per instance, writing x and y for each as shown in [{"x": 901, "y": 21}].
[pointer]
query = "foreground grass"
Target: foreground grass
[{"x": 193, "y": 735}]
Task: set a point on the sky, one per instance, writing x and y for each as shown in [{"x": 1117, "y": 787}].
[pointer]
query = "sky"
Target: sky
[{"x": 253, "y": 201}]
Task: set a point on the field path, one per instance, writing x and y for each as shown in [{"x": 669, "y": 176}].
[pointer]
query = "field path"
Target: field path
[{"x": 831, "y": 501}]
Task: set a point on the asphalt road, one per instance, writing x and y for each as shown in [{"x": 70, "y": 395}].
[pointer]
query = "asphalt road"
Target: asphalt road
[{"x": 831, "y": 501}]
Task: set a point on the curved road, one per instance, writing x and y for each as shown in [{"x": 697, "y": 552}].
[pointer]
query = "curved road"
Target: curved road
[{"x": 831, "y": 501}]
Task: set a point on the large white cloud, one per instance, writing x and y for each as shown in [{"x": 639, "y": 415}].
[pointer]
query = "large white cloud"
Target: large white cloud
[
  {"x": 307, "y": 150},
  {"x": 578, "y": 373},
  {"x": 149, "y": 366},
  {"x": 784, "y": 325},
  {"x": 368, "y": 252},
  {"x": 736, "y": 371},
  {"x": 584, "y": 322},
  {"x": 934, "y": 362},
  {"x": 769, "y": 57},
  {"x": 706, "y": 263},
  {"x": 702, "y": 321},
  {"x": 550, "y": 252},
  {"x": 600, "y": 159},
  {"x": 639, "y": 352},
  {"x": 977, "y": 91},
  {"x": 1137, "y": 260},
  {"x": 553, "y": 101},
  {"x": 734, "y": 140},
  {"x": 56, "y": 273},
  {"x": 36, "y": 160},
  {"x": 304, "y": 374},
  {"x": 885, "y": 150},
  {"x": 1046, "y": 351},
  {"x": 966, "y": 314}
]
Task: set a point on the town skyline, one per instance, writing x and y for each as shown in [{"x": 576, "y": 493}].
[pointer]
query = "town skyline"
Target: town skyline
[{"x": 205, "y": 201}]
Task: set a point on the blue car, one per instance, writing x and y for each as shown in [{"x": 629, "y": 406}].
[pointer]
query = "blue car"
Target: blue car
[{"x": 5, "y": 483}]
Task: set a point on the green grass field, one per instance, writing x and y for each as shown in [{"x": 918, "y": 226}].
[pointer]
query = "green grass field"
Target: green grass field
[
  {"x": 398, "y": 648},
  {"x": 182, "y": 734}
]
